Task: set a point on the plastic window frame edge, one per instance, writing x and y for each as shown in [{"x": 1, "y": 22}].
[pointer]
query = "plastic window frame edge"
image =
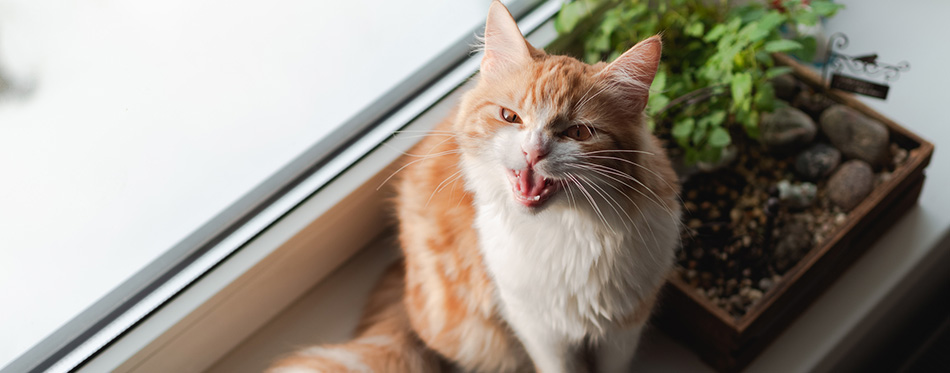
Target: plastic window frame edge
[{"x": 263, "y": 219}]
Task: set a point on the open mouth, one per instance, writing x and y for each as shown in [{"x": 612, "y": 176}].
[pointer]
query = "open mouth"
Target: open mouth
[{"x": 530, "y": 188}]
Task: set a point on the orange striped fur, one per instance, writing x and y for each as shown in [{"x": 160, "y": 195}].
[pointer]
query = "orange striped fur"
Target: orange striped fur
[{"x": 455, "y": 301}]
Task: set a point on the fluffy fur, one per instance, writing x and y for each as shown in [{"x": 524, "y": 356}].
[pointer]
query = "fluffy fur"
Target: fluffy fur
[{"x": 528, "y": 239}]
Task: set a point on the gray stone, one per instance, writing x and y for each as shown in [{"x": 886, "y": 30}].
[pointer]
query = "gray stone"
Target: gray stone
[
  {"x": 786, "y": 129},
  {"x": 786, "y": 87},
  {"x": 813, "y": 104},
  {"x": 817, "y": 161},
  {"x": 797, "y": 195},
  {"x": 794, "y": 240},
  {"x": 855, "y": 135},
  {"x": 848, "y": 186}
]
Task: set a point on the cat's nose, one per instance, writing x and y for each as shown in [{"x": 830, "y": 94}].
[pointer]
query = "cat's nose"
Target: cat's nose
[{"x": 533, "y": 154}]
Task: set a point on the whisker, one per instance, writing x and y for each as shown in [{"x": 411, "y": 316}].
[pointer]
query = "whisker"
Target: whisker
[
  {"x": 428, "y": 131},
  {"x": 570, "y": 194},
  {"x": 668, "y": 185},
  {"x": 419, "y": 155},
  {"x": 618, "y": 151},
  {"x": 667, "y": 209},
  {"x": 602, "y": 195},
  {"x": 405, "y": 137},
  {"x": 443, "y": 184},
  {"x": 647, "y": 221},
  {"x": 607, "y": 195},
  {"x": 590, "y": 198},
  {"x": 583, "y": 98},
  {"x": 591, "y": 97},
  {"x": 603, "y": 169},
  {"x": 658, "y": 201}
]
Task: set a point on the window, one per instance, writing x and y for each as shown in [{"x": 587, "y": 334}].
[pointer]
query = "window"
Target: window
[{"x": 138, "y": 138}]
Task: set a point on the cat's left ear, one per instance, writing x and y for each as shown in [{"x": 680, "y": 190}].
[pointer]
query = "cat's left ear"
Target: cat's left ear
[
  {"x": 505, "y": 47},
  {"x": 633, "y": 72}
]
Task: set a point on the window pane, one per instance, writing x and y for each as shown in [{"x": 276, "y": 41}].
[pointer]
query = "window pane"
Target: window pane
[{"x": 124, "y": 126}]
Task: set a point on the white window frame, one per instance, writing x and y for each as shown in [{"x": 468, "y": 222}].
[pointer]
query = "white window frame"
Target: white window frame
[{"x": 234, "y": 274}]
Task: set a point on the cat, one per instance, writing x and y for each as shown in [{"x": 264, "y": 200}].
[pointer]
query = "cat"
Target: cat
[{"x": 537, "y": 227}]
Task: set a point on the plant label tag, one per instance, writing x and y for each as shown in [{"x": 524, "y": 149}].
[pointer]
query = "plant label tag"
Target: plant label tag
[{"x": 859, "y": 86}]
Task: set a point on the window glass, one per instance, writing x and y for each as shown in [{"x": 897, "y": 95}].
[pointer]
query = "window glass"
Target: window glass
[{"x": 124, "y": 125}]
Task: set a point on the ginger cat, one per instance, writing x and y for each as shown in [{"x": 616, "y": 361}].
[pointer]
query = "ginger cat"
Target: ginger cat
[{"x": 538, "y": 228}]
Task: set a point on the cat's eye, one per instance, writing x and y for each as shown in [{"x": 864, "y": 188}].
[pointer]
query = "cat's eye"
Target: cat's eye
[
  {"x": 578, "y": 132},
  {"x": 510, "y": 116}
]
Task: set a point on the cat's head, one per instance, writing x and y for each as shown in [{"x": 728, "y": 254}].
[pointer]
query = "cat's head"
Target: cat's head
[{"x": 537, "y": 125}]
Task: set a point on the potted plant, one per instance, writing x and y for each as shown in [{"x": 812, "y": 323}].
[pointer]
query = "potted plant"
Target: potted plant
[{"x": 784, "y": 181}]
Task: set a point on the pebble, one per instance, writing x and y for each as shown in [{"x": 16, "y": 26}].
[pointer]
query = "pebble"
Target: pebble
[
  {"x": 755, "y": 295},
  {"x": 813, "y": 104},
  {"x": 736, "y": 301},
  {"x": 848, "y": 186},
  {"x": 797, "y": 195},
  {"x": 840, "y": 218},
  {"x": 765, "y": 284},
  {"x": 817, "y": 161},
  {"x": 786, "y": 87},
  {"x": 898, "y": 155},
  {"x": 786, "y": 129},
  {"x": 855, "y": 135},
  {"x": 794, "y": 240}
]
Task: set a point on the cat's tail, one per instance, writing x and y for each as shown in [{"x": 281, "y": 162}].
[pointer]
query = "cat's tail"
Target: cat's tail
[{"x": 384, "y": 339}]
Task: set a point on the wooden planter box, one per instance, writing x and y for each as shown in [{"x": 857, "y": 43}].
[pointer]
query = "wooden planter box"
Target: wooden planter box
[{"x": 729, "y": 344}]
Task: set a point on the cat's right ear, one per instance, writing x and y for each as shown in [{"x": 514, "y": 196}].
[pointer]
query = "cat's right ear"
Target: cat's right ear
[{"x": 505, "y": 47}]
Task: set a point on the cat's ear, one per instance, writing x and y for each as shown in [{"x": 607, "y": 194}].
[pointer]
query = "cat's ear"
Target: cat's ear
[
  {"x": 505, "y": 47},
  {"x": 633, "y": 72}
]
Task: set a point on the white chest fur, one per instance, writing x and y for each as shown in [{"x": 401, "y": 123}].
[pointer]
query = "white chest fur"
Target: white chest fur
[{"x": 567, "y": 269}]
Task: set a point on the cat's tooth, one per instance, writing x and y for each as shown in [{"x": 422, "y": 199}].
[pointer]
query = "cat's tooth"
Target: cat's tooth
[{"x": 537, "y": 197}]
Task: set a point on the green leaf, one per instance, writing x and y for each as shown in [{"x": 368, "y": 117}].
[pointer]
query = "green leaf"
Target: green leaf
[
  {"x": 682, "y": 129},
  {"x": 764, "y": 26},
  {"x": 807, "y": 18},
  {"x": 694, "y": 29},
  {"x": 691, "y": 156},
  {"x": 749, "y": 121},
  {"x": 699, "y": 133},
  {"x": 656, "y": 102},
  {"x": 715, "y": 33},
  {"x": 809, "y": 47},
  {"x": 611, "y": 21},
  {"x": 825, "y": 8},
  {"x": 741, "y": 86},
  {"x": 776, "y": 71},
  {"x": 602, "y": 43},
  {"x": 570, "y": 14},
  {"x": 765, "y": 97},
  {"x": 592, "y": 57},
  {"x": 782, "y": 45},
  {"x": 659, "y": 82},
  {"x": 717, "y": 117}
]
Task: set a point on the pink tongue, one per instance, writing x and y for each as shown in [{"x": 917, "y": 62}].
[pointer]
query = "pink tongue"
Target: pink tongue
[{"x": 530, "y": 183}]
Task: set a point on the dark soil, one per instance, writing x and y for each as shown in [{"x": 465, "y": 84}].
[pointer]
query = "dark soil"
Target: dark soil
[{"x": 739, "y": 239}]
